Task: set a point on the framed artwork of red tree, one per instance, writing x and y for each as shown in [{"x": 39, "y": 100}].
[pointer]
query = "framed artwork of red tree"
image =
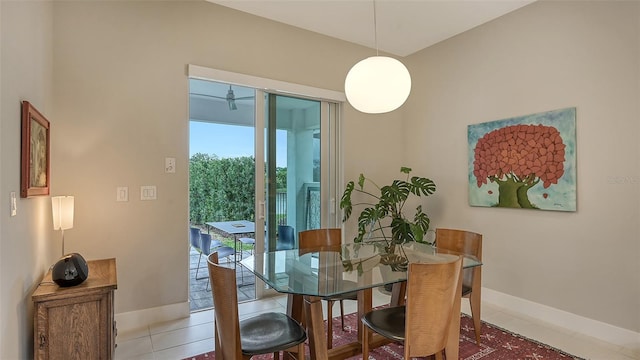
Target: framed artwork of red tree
[{"x": 526, "y": 162}]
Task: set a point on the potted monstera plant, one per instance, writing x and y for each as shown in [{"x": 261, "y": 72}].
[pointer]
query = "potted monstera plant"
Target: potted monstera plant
[{"x": 382, "y": 219}]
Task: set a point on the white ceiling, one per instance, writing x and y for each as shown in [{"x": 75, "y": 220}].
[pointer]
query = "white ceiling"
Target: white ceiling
[{"x": 403, "y": 26}]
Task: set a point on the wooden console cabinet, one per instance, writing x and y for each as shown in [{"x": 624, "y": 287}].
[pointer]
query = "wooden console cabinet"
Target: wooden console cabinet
[{"x": 76, "y": 322}]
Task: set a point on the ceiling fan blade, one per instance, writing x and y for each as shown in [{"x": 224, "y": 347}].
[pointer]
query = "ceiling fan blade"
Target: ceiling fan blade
[
  {"x": 207, "y": 95},
  {"x": 230, "y": 98}
]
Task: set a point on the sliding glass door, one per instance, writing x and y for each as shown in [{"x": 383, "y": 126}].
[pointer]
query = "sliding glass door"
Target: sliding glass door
[
  {"x": 300, "y": 157},
  {"x": 292, "y": 177},
  {"x": 296, "y": 139}
]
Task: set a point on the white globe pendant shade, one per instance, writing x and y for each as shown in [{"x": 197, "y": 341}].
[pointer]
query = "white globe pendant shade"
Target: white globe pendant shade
[{"x": 377, "y": 85}]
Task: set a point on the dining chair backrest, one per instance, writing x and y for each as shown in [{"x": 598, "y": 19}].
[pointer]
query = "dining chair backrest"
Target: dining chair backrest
[
  {"x": 194, "y": 237},
  {"x": 469, "y": 243},
  {"x": 320, "y": 240},
  {"x": 464, "y": 242},
  {"x": 225, "y": 303},
  {"x": 326, "y": 239},
  {"x": 432, "y": 289},
  {"x": 286, "y": 238},
  {"x": 205, "y": 243}
]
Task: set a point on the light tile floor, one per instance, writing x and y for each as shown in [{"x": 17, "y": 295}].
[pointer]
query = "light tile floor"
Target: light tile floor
[{"x": 194, "y": 335}]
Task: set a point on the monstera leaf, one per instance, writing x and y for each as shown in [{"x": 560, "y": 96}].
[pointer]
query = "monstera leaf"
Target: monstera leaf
[{"x": 382, "y": 214}]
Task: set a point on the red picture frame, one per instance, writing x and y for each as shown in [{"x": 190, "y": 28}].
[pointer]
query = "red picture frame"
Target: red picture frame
[{"x": 35, "y": 166}]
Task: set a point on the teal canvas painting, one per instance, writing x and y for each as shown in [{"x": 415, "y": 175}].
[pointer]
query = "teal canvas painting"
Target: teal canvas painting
[{"x": 526, "y": 162}]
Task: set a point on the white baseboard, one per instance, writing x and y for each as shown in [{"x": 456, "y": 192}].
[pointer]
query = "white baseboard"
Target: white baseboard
[
  {"x": 135, "y": 319},
  {"x": 628, "y": 340}
]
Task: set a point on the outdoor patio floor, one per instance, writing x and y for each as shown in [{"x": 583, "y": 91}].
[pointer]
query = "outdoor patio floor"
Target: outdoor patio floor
[{"x": 200, "y": 297}]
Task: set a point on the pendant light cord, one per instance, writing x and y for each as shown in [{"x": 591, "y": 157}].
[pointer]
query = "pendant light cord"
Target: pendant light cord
[{"x": 375, "y": 27}]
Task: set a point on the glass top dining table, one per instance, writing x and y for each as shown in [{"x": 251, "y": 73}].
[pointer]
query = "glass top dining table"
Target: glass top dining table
[
  {"x": 309, "y": 276},
  {"x": 363, "y": 265}
]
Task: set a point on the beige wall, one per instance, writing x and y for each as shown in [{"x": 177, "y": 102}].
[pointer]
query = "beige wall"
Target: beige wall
[
  {"x": 121, "y": 93},
  {"x": 546, "y": 56},
  {"x": 27, "y": 243}
]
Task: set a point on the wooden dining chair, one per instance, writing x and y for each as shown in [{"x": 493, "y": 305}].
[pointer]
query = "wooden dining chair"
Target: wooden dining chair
[
  {"x": 327, "y": 240},
  {"x": 470, "y": 243},
  {"x": 423, "y": 323},
  {"x": 236, "y": 339}
]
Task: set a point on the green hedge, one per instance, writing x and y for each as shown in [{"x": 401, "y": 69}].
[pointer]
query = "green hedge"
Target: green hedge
[{"x": 224, "y": 189}]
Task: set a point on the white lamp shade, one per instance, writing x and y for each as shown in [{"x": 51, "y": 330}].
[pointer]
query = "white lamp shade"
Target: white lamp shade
[
  {"x": 377, "y": 84},
  {"x": 62, "y": 209}
]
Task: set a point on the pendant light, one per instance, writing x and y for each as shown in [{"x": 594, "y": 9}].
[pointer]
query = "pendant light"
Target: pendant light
[{"x": 377, "y": 84}]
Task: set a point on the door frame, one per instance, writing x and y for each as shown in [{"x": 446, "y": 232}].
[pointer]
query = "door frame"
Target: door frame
[{"x": 330, "y": 114}]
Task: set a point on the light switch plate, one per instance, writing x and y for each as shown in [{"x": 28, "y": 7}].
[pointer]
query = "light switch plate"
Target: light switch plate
[
  {"x": 14, "y": 204},
  {"x": 170, "y": 165},
  {"x": 122, "y": 193}
]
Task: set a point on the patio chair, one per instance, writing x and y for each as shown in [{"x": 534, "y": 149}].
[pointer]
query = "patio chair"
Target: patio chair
[
  {"x": 210, "y": 244},
  {"x": 248, "y": 241},
  {"x": 286, "y": 238},
  {"x": 195, "y": 239},
  {"x": 203, "y": 243}
]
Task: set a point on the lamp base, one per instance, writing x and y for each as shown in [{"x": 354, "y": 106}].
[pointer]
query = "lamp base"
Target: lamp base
[{"x": 70, "y": 270}]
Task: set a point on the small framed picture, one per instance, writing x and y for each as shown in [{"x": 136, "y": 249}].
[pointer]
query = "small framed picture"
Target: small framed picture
[{"x": 35, "y": 163}]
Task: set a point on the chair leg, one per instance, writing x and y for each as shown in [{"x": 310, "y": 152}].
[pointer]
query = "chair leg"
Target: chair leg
[
  {"x": 342, "y": 314},
  {"x": 439, "y": 355},
  {"x": 215, "y": 335},
  {"x": 301, "y": 351},
  {"x": 198, "y": 268},
  {"x": 474, "y": 301},
  {"x": 365, "y": 342},
  {"x": 329, "y": 324},
  {"x": 241, "y": 272}
]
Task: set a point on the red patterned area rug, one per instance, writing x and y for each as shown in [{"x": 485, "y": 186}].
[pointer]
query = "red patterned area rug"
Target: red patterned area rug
[{"x": 496, "y": 344}]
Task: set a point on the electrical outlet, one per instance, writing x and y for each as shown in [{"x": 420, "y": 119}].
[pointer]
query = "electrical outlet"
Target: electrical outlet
[{"x": 148, "y": 192}]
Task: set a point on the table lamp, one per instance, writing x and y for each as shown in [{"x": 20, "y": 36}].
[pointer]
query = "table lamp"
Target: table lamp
[
  {"x": 71, "y": 269},
  {"x": 62, "y": 210}
]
